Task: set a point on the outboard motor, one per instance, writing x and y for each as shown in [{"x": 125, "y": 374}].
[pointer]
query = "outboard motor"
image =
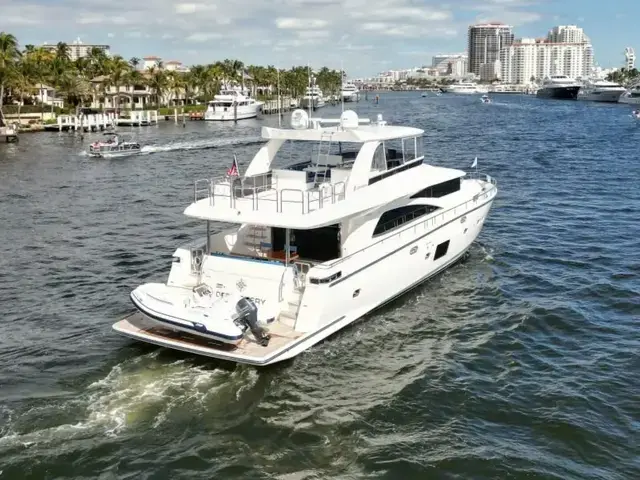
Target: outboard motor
[{"x": 248, "y": 314}]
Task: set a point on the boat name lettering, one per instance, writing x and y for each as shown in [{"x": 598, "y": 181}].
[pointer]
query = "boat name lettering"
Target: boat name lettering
[{"x": 256, "y": 300}]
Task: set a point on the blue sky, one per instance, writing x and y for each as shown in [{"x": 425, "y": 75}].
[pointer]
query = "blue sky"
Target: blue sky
[{"x": 366, "y": 36}]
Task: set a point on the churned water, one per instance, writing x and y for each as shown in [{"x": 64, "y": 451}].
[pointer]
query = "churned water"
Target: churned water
[{"x": 521, "y": 362}]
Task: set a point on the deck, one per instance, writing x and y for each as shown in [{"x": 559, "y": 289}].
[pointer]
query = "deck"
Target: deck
[{"x": 248, "y": 350}]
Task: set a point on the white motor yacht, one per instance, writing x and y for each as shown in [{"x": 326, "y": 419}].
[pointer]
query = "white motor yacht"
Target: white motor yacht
[
  {"x": 350, "y": 92},
  {"x": 313, "y": 98},
  {"x": 356, "y": 220},
  {"x": 631, "y": 96},
  {"x": 115, "y": 146},
  {"x": 465, "y": 87},
  {"x": 601, "y": 91},
  {"x": 232, "y": 104}
]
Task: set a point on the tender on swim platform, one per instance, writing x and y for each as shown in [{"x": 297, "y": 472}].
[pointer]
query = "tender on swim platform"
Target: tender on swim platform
[{"x": 248, "y": 350}]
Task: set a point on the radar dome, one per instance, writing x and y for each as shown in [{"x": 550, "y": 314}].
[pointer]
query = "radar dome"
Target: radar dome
[
  {"x": 299, "y": 119},
  {"x": 349, "y": 119}
]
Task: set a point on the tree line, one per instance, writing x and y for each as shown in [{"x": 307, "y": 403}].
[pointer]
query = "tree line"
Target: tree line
[{"x": 23, "y": 71}]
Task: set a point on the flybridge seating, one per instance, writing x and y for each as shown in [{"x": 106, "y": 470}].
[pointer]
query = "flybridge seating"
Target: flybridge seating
[{"x": 329, "y": 158}]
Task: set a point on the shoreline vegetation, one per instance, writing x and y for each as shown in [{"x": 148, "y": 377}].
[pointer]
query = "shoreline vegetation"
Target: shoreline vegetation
[{"x": 100, "y": 81}]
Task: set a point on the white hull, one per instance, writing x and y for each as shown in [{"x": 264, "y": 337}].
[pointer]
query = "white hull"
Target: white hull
[
  {"x": 229, "y": 113},
  {"x": 629, "y": 100},
  {"x": 114, "y": 154},
  {"x": 399, "y": 263},
  {"x": 350, "y": 96},
  {"x": 312, "y": 103},
  {"x": 608, "y": 96}
]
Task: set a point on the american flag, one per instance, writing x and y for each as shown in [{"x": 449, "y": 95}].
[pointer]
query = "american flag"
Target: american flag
[{"x": 233, "y": 170}]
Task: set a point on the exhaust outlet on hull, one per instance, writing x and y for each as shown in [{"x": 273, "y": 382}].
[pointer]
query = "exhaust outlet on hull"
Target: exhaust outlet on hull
[{"x": 248, "y": 314}]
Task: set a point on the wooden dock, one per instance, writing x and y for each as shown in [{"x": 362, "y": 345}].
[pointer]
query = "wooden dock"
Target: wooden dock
[
  {"x": 92, "y": 122},
  {"x": 138, "y": 118},
  {"x": 279, "y": 105}
]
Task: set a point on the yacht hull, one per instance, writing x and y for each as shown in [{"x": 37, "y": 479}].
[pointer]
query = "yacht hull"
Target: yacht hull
[
  {"x": 231, "y": 114},
  {"x": 313, "y": 104},
  {"x": 629, "y": 99},
  {"x": 402, "y": 262},
  {"x": 559, "y": 93},
  {"x": 607, "y": 96}
]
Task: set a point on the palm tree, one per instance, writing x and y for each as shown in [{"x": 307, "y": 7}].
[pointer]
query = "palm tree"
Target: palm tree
[
  {"x": 9, "y": 57},
  {"x": 134, "y": 62},
  {"x": 157, "y": 81},
  {"x": 118, "y": 69}
]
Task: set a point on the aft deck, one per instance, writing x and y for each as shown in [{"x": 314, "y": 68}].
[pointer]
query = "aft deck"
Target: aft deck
[{"x": 283, "y": 338}]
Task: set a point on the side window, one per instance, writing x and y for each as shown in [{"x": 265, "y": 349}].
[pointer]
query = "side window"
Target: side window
[
  {"x": 397, "y": 217},
  {"x": 439, "y": 190},
  {"x": 379, "y": 163},
  {"x": 441, "y": 250}
]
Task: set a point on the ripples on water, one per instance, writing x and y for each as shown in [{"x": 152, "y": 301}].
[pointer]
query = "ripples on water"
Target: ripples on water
[{"x": 520, "y": 362}]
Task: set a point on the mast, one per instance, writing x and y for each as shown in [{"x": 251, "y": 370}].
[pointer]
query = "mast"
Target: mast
[
  {"x": 309, "y": 92},
  {"x": 279, "y": 99},
  {"x": 342, "y": 84}
]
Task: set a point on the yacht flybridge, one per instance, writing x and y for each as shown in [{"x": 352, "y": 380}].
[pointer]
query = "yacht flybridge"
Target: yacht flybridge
[{"x": 354, "y": 221}]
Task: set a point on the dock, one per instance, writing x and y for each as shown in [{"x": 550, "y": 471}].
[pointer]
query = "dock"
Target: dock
[
  {"x": 84, "y": 122},
  {"x": 138, "y": 118},
  {"x": 279, "y": 105}
]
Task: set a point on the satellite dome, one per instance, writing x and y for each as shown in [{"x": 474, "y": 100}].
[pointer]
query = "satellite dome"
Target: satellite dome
[
  {"x": 349, "y": 119},
  {"x": 299, "y": 119}
]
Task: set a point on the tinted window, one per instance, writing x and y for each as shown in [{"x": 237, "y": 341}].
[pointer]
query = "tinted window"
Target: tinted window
[
  {"x": 392, "y": 219},
  {"x": 441, "y": 250},
  {"x": 439, "y": 190}
]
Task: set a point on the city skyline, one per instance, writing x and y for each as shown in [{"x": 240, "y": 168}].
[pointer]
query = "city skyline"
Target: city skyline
[{"x": 365, "y": 39}]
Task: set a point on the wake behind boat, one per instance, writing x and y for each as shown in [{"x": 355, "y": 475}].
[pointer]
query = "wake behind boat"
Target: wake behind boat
[
  {"x": 314, "y": 245},
  {"x": 114, "y": 146}
]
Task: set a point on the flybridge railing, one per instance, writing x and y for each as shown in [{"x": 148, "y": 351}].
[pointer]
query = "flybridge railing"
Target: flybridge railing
[
  {"x": 262, "y": 189},
  {"x": 432, "y": 222}
]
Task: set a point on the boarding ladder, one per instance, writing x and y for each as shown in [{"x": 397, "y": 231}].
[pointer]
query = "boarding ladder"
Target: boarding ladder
[
  {"x": 324, "y": 137},
  {"x": 289, "y": 315}
]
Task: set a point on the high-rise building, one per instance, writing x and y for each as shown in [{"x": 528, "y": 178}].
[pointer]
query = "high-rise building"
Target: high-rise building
[
  {"x": 77, "y": 49},
  {"x": 534, "y": 59},
  {"x": 567, "y": 34},
  {"x": 484, "y": 44},
  {"x": 630, "y": 58},
  {"x": 454, "y": 64}
]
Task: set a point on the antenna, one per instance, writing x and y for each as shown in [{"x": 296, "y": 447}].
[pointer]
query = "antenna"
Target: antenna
[
  {"x": 310, "y": 100},
  {"x": 342, "y": 84},
  {"x": 279, "y": 100}
]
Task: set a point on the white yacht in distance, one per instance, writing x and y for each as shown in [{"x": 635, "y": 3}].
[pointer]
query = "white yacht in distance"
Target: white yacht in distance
[
  {"x": 465, "y": 87},
  {"x": 631, "y": 96},
  {"x": 358, "y": 220},
  {"x": 313, "y": 98},
  {"x": 232, "y": 104},
  {"x": 349, "y": 92},
  {"x": 601, "y": 91}
]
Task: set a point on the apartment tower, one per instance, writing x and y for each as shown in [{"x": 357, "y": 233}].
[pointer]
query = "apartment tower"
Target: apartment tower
[{"x": 485, "y": 42}]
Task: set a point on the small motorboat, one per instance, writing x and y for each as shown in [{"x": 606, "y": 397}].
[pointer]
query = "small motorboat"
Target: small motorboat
[
  {"x": 485, "y": 99},
  {"x": 635, "y": 114},
  {"x": 424, "y": 94},
  {"x": 114, "y": 146},
  {"x": 201, "y": 311}
]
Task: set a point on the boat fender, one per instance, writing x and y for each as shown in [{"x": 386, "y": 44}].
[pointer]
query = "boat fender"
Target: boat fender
[{"x": 248, "y": 314}]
